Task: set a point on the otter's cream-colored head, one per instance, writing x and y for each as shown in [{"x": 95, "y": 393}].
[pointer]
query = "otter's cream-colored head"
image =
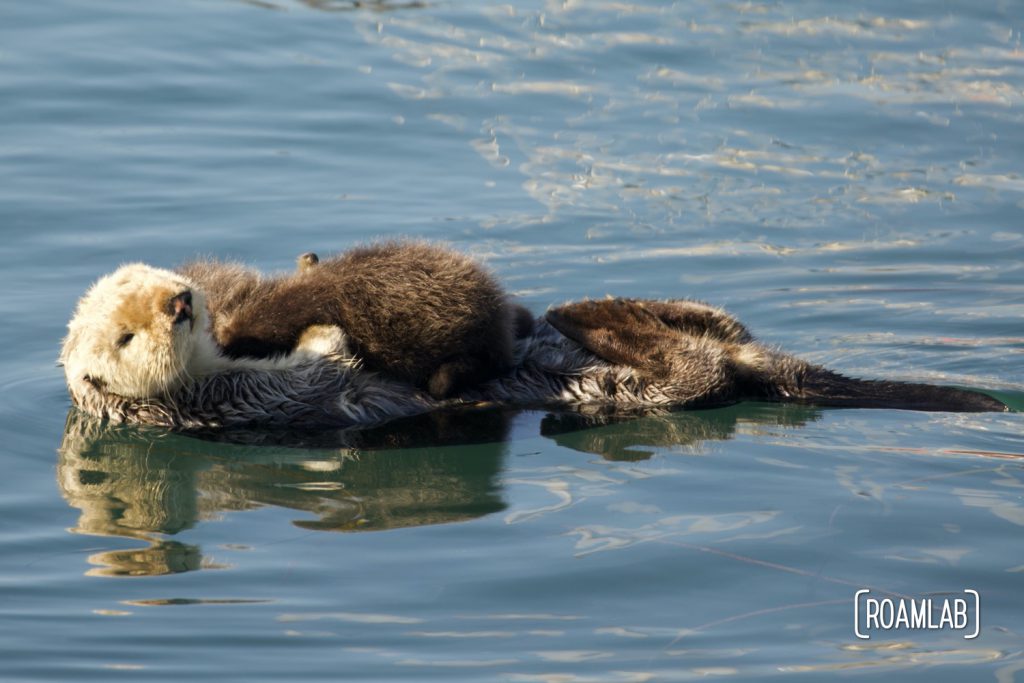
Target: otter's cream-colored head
[{"x": 135, "y": 334}]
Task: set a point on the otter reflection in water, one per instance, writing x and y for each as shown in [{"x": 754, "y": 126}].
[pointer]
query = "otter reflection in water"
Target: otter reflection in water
[{"x": 146, "y": 484}]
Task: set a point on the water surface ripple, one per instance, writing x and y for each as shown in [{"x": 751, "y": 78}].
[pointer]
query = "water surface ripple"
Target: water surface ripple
[{"x": 845, "y": 178}]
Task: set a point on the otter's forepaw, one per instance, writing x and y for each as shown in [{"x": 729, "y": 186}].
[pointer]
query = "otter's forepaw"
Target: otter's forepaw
[{"x": 443, "y": 381}]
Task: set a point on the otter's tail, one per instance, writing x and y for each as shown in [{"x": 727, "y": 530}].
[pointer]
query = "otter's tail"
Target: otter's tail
[{"x": 797, "y": 381}]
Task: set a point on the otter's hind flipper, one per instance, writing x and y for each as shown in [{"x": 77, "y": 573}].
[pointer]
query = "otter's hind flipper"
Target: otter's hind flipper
[
  {"x": 826, "y": 388},
  {"x": 781, "y": 377},
  {"x": 694, "y": 317},
  {"x": 620, "y": 331}
]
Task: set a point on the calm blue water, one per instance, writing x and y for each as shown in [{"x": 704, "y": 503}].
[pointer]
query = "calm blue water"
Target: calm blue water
[{"x": 846, "y": 180}]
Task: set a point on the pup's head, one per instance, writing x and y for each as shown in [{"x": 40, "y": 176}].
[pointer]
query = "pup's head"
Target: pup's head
[{"x": 133, "y": 334}]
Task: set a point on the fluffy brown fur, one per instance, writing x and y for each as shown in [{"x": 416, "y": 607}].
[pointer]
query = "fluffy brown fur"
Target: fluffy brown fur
[{"x": 419, "y": 312}]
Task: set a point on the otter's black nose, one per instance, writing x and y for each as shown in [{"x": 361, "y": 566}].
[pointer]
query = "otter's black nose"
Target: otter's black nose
[{"x": 180, "y": 307}]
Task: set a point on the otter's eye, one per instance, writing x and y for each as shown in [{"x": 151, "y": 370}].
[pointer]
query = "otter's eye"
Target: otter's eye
[{"x": 125, "y": 339}]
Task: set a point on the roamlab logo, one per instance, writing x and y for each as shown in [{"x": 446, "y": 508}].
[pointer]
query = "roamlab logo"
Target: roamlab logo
[{"x": 953, "y": 612}]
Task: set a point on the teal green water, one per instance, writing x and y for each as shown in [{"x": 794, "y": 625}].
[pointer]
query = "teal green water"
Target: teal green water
[{"x": 846, "y": 180}]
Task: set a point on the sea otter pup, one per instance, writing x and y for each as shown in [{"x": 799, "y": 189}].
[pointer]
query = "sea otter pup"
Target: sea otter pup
[
  {"x": 419, "y": 312},
  {"x": 139, "y": 349}
]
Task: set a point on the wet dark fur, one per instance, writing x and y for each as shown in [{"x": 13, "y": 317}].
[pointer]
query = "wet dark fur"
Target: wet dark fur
[
  {"x": 648, "y": 336},
  {"x": 418, "y": 312}
]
